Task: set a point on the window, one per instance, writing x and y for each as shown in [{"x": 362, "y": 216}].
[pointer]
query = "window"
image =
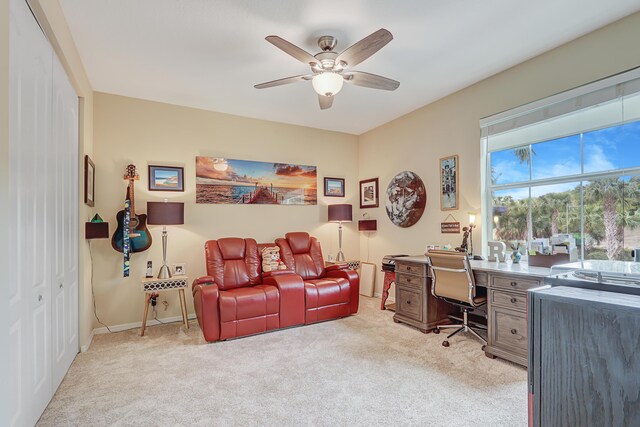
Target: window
[{"x": 567, "y": 165}]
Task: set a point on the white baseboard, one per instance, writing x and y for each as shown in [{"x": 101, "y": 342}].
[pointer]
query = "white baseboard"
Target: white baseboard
[
  {"x": 85, "y": 348},
  {"x": 152, "y": 322}
]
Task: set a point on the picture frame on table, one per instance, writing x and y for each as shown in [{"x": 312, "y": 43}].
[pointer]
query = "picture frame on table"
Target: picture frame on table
[
  {"x": 333, "y": 187},
  {"x": 449, "y": 196},
  {"x": 180, "y": 269},
  {"x": 89, "y": 181},
  {"x": 369, "y": 193},
  {"x": 166, "y": 178}
]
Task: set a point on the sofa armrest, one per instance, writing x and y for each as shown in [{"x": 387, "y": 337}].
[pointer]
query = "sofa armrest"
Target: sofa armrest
[
  {"x": 291, "y": 288},
  {"x": 204, "y": 280},
  {"x": 275, "y": 273},
  {"x": 335, "y": 267},
  {"x": 354, "y": 285},
  {"x": 205, "y": 302}
]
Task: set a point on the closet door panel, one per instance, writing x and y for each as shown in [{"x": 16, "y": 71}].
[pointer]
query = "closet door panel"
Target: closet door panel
[
  {"x": 64, "y": 217},
  {"x": 30, "y": 281}
]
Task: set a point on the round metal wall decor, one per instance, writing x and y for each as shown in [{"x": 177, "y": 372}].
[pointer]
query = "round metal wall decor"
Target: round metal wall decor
[{"x": 406, "y": 199}]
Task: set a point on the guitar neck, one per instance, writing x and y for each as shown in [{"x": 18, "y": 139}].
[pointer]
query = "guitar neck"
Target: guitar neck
[{"x": 132, "y": 197}]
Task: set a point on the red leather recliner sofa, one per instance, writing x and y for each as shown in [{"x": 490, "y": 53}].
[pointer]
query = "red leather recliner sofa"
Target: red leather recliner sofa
[{"x": 237, "y": 299}]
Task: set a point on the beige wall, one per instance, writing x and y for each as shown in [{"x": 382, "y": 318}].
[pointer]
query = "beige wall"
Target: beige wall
[
  {"x": 449, "y": 126},
  {"x": 53, "y": 23},
  {"x": 128, "y": 130},
  {"x": 4, "y": 206}
]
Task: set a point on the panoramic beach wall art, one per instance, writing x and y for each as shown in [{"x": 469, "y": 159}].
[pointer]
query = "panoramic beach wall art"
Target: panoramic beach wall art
[{"x": 229, "y": 181}]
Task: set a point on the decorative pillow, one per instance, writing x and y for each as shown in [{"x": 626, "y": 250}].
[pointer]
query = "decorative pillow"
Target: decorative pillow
[{"x": 271, "y": 259}]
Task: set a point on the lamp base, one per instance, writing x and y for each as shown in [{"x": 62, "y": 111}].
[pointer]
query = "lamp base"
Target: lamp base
[
  {"x": 164, "y": 272},
  {"x": 340, "y": 257}
]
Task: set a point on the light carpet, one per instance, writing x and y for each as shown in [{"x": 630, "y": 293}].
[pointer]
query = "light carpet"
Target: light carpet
[{"x": 361, "y": 370}]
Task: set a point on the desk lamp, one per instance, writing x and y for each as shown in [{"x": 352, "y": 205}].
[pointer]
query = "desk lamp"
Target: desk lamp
[
  {"x": 340, "y": 214},
  {"x": 472, "y": 225},
  {"x": 165, "y": 213}
]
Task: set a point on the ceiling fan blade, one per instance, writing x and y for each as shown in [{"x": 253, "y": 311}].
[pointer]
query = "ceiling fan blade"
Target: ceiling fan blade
[
  {"x": 293, "y": 50},
  {"x": 366, "y": 47},
  {"x": 325, "y": 101},
  {"x": 373, "y": 81},
  {"x": 280, "y": 82}
]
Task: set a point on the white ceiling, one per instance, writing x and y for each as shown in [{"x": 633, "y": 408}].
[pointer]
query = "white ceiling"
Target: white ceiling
[{"x": 209, "y": 53}]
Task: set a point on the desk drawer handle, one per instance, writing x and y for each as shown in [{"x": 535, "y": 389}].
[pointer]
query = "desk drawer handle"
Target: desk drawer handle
[
  {"x": 408, "y": 279},
  {"x": 514, "y": 300},
  {"x": 409, "y": 302},
  {"x": 513, "y": 331},
  {"x": 514, "y": 284},
  {"x": 408, "y": 268}
]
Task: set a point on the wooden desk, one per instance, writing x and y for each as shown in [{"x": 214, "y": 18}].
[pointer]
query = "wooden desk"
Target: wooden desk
[{"x": 506, "y": 284}]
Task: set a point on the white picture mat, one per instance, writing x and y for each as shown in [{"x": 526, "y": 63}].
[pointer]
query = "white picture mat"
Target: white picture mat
[{"x": 367, "y": 278}]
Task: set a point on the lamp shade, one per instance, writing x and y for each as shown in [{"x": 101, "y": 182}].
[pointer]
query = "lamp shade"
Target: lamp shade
[
  {"x": 367, "y": 225},
  {"x": 340, "y": 213},
  {"x": 165, "y": 213}
]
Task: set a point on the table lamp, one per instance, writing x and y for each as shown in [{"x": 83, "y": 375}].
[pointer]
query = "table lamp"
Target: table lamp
[
  {"x": 165, "y": 213},
  {"x": 340, "y": 214}
]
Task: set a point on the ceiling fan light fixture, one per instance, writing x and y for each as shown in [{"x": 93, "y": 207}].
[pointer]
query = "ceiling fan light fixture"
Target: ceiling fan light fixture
[{"x": 327, "y": 83}]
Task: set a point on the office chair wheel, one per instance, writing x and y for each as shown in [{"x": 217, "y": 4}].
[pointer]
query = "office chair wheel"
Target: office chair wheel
[
  {"x": 445, "y": 343},
  {"x": 483, "y": 347},
  {"x": 436, "y": 331}
]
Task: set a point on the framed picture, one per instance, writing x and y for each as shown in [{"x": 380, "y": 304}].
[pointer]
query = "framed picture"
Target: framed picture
[
  {"x": 367, "y": 278},
  {"x": 166, "y": 178},
  {"x": 449, "y": 183},
  {"x": 369, "y": 193},
  {"x": 249, "y": 182},
  {"x": 180, "y": 269},
  {"x": 89, "y": 181},
  {"x": 334, "y": 187}
]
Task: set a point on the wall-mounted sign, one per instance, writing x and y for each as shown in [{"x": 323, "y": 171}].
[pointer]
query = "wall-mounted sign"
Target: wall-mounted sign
[{"x": 450, "y": 227}]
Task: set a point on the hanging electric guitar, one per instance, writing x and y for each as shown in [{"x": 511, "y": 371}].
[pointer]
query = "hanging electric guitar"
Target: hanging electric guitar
[{"x": 136, "y": 229}]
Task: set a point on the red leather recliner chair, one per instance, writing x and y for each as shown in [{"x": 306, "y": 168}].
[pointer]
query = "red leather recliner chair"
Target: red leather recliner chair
[
  {"x": 330, "y": 292},
  {"x": 236, "y": 299}
]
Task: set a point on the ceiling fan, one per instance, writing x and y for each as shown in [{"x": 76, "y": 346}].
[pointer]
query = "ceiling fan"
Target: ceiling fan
[{"x": 331, "y": 69}]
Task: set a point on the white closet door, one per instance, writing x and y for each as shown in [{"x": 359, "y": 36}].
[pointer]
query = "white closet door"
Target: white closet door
[
  {"x": 30, "y": 287},
  {"x": 63, "y": 201}
]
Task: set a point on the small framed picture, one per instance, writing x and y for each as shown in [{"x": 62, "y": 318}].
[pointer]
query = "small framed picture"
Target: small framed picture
[
  {"x": 369, "y": 193},
  {"x": 180, "y": 269},
  {"x": 166, "y": 178},
  {"x": 334, "y": 187},
  {"x": 449, "y": 183},
  {"x": 89, "y": 181}
]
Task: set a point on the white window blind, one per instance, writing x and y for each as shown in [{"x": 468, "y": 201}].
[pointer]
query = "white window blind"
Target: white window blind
[{"x": 601, "y": 104}]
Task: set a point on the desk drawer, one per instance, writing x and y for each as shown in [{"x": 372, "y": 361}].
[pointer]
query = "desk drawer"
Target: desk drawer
[
  {"x": 411, "y": 268},
  {"x": 511, "y": 300},
  {"x": 409, "y": 302},
  {"x": 514, "y": 283},
  {"x": 410, "y": 281},
  {"x": 509, "y": 330}
]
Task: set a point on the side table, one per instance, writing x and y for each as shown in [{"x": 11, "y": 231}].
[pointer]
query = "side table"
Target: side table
[
  {"x": 153, "y": 285},
  {"x": 352, "y": 264}
]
